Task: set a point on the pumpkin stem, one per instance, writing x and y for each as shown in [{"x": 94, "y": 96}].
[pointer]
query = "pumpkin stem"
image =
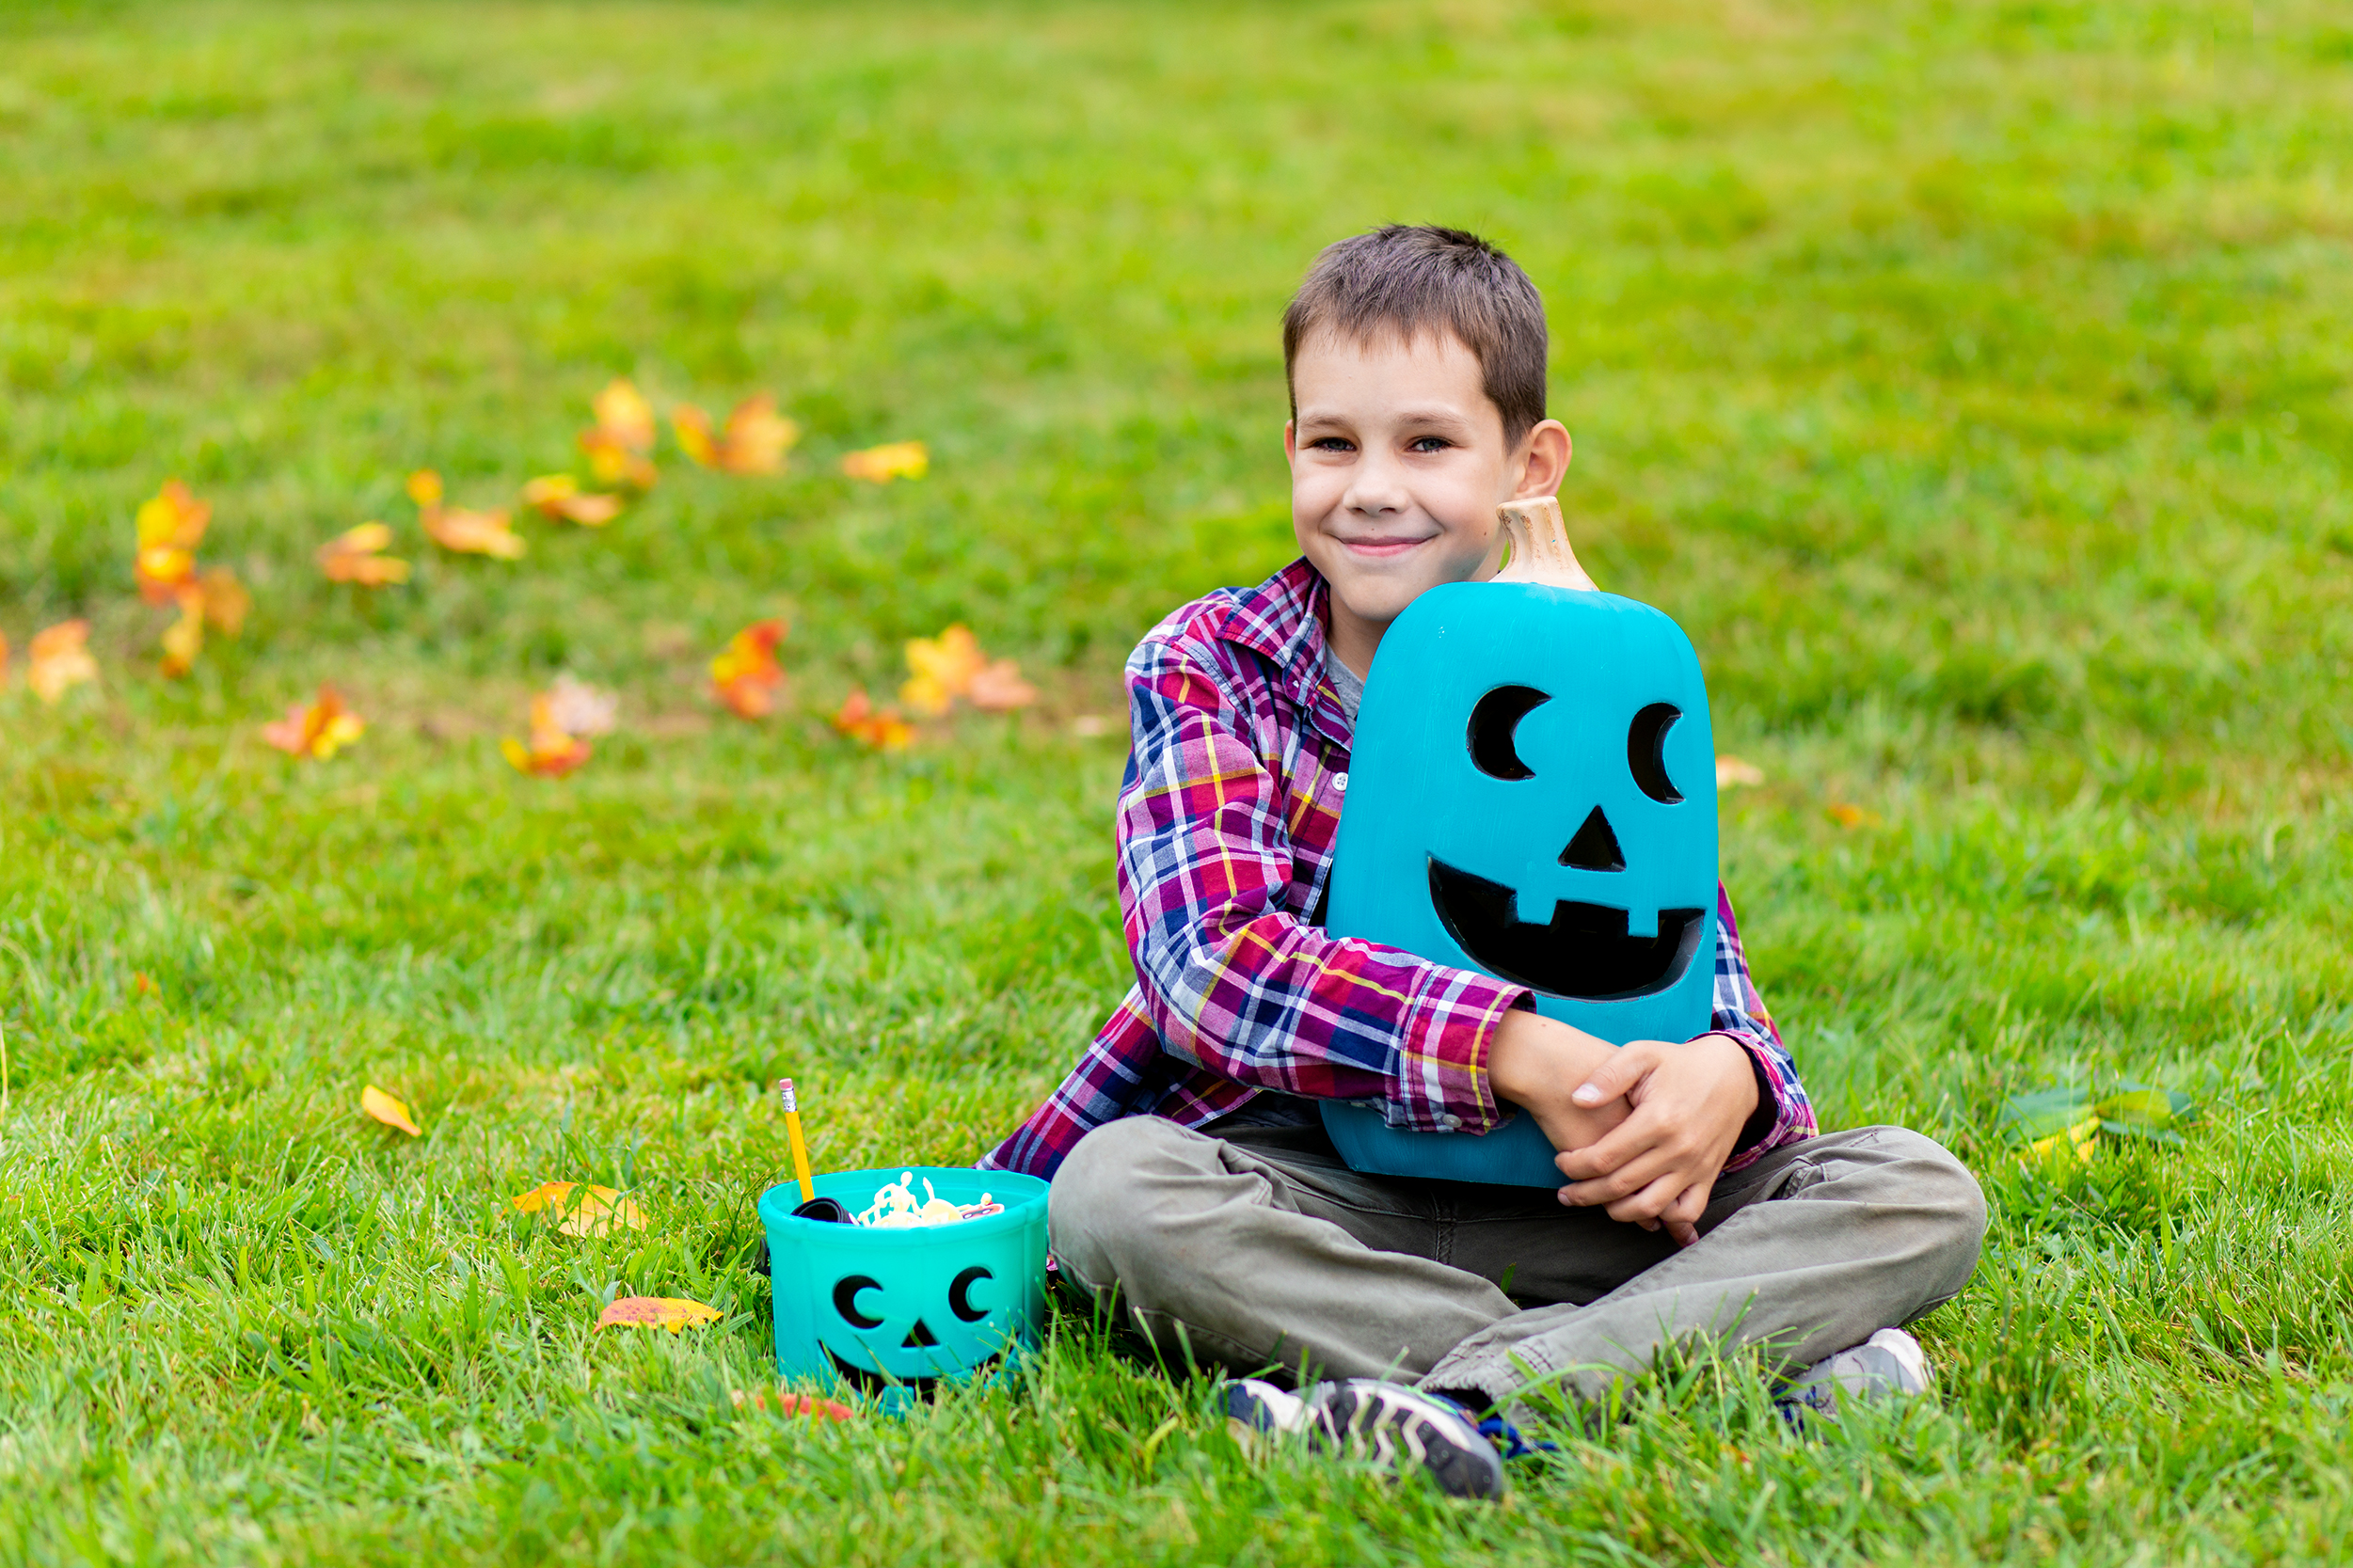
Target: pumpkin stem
[{"x": 1540, "y": 548}]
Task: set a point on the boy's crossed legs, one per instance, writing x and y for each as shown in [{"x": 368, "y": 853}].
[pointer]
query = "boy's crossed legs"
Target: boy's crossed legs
[{"x": 1255, "y": 1245}]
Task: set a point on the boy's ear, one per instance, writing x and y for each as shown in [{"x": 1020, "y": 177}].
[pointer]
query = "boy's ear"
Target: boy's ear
[
  {"x": 1291, "y": 442},
  {"x": 1544, "y": 456}
]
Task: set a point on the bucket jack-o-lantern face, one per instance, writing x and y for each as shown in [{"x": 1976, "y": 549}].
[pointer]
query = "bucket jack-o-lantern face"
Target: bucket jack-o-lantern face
[
  {"x": 906, "y": 1333},
  {"x": 1531, "y": 794}
]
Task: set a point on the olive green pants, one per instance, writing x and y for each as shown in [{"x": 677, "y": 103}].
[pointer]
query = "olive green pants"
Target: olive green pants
[{"x": 1255, "y": 1247}]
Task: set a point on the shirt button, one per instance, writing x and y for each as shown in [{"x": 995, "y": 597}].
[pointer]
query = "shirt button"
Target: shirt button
[
  {"x": 1340, "y": 783},
  {"x": 1449, "y": 1122}
]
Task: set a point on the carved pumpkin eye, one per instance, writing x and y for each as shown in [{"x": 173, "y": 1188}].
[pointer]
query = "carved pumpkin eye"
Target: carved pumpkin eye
[
  {"x": 1493, "y": 723},
  {"x": 1647, "y": 751},
  {"x": 846, "y": 1301}
]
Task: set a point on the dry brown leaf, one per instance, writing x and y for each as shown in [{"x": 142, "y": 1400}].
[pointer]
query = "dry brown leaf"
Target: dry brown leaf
[{"x": 390, "y": 1112}]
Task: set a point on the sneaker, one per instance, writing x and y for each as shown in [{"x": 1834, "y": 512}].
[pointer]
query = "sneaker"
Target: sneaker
[
  {"x": 1367, "y": 1418},
  {"x": 1890, "y": 1362},
  {"x": 1256, "y": 1411}
]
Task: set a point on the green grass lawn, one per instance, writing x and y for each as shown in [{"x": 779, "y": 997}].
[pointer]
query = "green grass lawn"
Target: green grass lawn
[{"x": 1968, "y": 378}]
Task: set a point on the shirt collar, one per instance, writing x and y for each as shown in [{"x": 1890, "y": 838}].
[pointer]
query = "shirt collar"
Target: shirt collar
[{"x": 1282, "y": 619}]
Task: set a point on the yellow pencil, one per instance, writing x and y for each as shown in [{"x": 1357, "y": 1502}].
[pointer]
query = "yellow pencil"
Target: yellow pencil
[{"x": 792, "y": 1130}]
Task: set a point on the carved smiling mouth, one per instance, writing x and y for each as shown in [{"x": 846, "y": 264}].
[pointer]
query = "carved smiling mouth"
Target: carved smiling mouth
[{"x": 1582, "y": 952}]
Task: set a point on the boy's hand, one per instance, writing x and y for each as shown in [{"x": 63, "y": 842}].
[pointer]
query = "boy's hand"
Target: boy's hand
[
  {"x": 1537, "y": 1063},
  {"x": 1686, "y": 1105}
]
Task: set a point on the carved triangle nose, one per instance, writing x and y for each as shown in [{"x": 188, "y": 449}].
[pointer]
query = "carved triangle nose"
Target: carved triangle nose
[
  {"x": 920, "y": 1337},
  {"x": 1595, "y": 848}
]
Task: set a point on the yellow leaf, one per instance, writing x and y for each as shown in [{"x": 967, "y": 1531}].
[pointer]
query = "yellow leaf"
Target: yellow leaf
[
  {"x": 584, "y": 1211},
  {"x": 169, "y": 528},
  {"x": 2079, "y": 1139},
  {"x": 671, "y": 1312},
  {"x": 622, "y": 412},
  {"x": 185, "y": 638},
  {"x": 880, "y": 465},
  {"x": 390, "y": 1112}
]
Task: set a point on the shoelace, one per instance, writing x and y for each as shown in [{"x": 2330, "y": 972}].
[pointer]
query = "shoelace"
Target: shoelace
[{"x": 1510, "y": 1441}]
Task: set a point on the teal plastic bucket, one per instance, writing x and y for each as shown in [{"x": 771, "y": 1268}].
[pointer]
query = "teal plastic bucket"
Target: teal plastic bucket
[{"x": 901, "y": 1308}]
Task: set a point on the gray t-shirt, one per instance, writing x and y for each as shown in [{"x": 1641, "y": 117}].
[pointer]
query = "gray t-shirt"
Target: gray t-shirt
[{"x": 1345, "y": 683}]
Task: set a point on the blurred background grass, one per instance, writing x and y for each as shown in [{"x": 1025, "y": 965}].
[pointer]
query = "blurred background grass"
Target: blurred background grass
[{"x": 1968, "y": 379}]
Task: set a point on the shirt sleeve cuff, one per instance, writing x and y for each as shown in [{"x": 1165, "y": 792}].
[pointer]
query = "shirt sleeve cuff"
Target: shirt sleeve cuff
[{"x": 1443, "y": 1083}]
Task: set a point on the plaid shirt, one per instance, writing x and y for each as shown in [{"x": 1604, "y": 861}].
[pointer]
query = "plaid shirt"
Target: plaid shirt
[{"x": 1234, "y": 782}]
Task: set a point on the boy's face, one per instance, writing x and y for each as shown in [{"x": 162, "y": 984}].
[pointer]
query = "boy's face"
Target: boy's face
[{"x": 1397, "y": 465}]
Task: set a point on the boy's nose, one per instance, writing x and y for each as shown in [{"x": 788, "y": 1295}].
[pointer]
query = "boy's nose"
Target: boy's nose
[{"x": 1594, "y": 847}]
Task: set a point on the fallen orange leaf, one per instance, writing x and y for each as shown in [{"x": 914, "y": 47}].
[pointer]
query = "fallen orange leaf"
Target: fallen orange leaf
[
  {"x": 355, "y": 555},
  {"x": 884, "y": 730},
  {"x": 753, "y": 442},
  {"x": 1853, "y": 816},
  {"x": 618, "y": 443},
  {"x": 317, "y": 729},
  {"x": 390, "y": 1112},
  {"x": 783, "y": 1401},
  {"x": 594, "y": 1212},
  {"x": 883, "y": 464},
  {"x": 560, "y": 496},
  {"x": 171, "y": 526},
  {"x": 745, "y": 675},
  {"x": 456, "y": 529},
  {"x": 57, "y": 658},
  {"x": 552, "y": 752},
  {"x": 671, "y": 1312}
]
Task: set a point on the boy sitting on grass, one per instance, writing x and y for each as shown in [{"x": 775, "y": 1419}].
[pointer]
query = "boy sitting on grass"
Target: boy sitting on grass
[{"x": 1192, "y": 1174}]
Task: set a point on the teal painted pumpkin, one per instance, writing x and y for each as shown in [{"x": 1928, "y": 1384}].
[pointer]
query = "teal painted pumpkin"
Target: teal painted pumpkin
[{"x": 1531, "y": 793}]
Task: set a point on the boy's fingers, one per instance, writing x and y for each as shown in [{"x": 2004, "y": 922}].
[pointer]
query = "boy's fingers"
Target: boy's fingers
[
  {"x": 1625, "y": 1181},
  {"x": 1614, "y": 1078},
  {"x": 1652, "y": 1202}
]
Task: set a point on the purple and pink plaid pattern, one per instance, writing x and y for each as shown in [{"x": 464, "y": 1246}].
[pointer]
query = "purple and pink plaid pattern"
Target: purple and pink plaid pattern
[{"x": 1235, "y": 776}]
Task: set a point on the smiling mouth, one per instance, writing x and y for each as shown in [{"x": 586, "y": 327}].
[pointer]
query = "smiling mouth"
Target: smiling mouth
[{"x": 1584, "y": 952}]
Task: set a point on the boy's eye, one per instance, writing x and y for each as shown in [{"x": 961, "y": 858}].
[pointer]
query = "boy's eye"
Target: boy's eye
[
  {"x": 1331, "y": 443},
  {"x": 1429, "y": 443}
]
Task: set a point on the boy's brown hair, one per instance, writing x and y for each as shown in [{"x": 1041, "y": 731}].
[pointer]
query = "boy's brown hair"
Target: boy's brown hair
[{"x": 1409, "y": 278}]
